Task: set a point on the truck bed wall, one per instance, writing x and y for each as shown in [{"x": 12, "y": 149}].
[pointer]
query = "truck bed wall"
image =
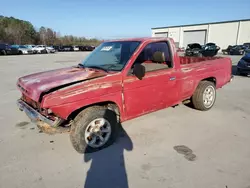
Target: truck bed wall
[{"x": 197, "y": 69}]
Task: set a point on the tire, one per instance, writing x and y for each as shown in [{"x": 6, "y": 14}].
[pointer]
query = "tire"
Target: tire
[
  {"x": 3, "y": 52},
  {"x": 241, "y": 73},
  {"x": 82, "y": 123},
  {"x": 20, "y": 52},
  {"x": 198, "y": 100}
]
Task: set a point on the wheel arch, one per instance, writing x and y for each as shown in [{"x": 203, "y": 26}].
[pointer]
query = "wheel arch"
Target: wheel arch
[
  {"x": 109, "y": 104},
  {"x": 210, "y": 79}
]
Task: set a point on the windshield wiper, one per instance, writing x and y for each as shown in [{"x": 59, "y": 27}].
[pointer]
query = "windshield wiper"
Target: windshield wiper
[
  {"x": 97, "y": 67},
  {"x": 111, "y": 66},
  {"x": 80, "y": 65}
]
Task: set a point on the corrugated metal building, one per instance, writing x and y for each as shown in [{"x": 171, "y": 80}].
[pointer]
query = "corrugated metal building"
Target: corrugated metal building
[{"x": 222, "y": 33}]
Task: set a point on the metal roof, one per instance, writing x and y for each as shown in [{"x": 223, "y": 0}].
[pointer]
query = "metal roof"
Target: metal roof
[{"x": 201, "y": 24}]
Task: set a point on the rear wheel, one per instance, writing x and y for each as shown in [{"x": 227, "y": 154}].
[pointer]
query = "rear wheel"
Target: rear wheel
[
  {"x": 204, "y": 96},
  {"x": 93, "y": 129}
]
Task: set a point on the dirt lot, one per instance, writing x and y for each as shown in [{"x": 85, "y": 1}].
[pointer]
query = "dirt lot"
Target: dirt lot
[{"x": 154, "y": 151}]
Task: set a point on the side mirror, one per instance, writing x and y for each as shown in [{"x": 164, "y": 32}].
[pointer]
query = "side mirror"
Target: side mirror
[{"x": 139, "y": 71}]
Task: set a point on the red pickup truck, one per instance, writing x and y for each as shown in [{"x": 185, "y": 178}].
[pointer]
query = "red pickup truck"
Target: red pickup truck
[{"x": 120, "y": 80}]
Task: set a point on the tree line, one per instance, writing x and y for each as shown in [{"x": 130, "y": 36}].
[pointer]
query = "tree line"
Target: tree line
[{"x": 16, "y": 31}]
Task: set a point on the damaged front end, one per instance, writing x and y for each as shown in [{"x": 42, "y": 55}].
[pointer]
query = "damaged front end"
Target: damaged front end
[
  {"x": 35, "y": 86},
  {"x": 35, "y": 116},
  {"x": 47, "y": 122}
]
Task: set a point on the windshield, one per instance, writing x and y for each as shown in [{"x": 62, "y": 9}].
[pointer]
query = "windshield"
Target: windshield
[
  {"x": 14, "y": 46},
  {"x": 111, "y": 55},
  {"x": 22, "y": 46}
]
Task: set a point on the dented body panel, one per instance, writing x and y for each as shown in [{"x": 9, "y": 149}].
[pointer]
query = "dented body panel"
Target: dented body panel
[
  {"x": 67, "y": 90},
  {"x": 39, "y": 83}
]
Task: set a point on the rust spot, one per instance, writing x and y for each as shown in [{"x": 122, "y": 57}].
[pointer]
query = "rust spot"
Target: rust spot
[
  {"x": 186, "y": 69},
  {"x": 88, "y": 89}
]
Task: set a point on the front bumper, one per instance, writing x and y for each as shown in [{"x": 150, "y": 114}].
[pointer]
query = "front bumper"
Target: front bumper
[{"x": 36, "y": 116}]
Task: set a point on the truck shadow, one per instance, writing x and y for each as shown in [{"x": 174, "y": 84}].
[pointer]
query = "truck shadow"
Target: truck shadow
[{"x": 107, "y": 167}]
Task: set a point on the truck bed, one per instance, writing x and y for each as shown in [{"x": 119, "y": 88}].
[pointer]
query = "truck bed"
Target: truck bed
[
  {"x": 194, "y": 69},
  {"x": 189, "y": 60}
]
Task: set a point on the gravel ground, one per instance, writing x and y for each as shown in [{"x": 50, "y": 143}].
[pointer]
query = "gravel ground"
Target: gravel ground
[{"x": 175, "y": 147}]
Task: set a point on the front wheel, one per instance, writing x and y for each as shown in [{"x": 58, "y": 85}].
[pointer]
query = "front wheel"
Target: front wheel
[
  {"x": 93, "y": 129},
  {"x": 3, "y": 52},
  {"x": 204, "y": 96}
]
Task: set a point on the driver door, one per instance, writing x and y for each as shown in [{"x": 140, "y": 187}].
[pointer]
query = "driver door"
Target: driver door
[{"x": 156, "y": 90}]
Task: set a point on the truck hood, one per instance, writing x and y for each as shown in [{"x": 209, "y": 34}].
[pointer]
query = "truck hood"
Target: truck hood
[{"x": 36, "y": 84}]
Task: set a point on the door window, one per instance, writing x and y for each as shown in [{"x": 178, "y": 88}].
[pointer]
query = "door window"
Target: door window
[{"x": 155, "y": 56}]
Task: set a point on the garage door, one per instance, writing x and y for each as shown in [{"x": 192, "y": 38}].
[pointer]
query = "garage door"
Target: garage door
[
  {"x": 194, "y": 37},
  {"x": 161, "y": 34}
]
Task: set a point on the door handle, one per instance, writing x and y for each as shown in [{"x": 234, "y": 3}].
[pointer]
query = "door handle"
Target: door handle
[{"x": 172, "y": 78}]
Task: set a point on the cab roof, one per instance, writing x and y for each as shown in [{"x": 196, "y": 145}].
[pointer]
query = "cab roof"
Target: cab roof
[{"x": 142, "y": 39}]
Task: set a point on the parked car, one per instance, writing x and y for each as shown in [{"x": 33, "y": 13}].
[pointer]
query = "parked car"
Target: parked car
[
  {"x": 6, "y": 49},
  {"x": 58, "y": 48},
  {"x": 76, "y": 48},
  {"x": 121, "y": 80},
  {"x": 227, "y": 50},
  {"x": 90, "y": 48},
  {"x": 86, "y": 48},
  {"x": 50, "y": 49},
  {"x": 67, "y": 48},
  {"x": 193, "y": 49},
  {"x": 237, "y": 50},
  {"x": 246, "y": 45},
  {"x": 31, "y": 47},
  {"x": 40, "y": 49},
  {"x": 207, "y": 50},
  {"x": 210, "y": 50},
  {"x": 82, "y": 48},
  {"x": 44, "y": 49},
  {"x": 247, "y": 50},
  {"x": 243, "y": 66},
  {"x": 22, "y": 49}
]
